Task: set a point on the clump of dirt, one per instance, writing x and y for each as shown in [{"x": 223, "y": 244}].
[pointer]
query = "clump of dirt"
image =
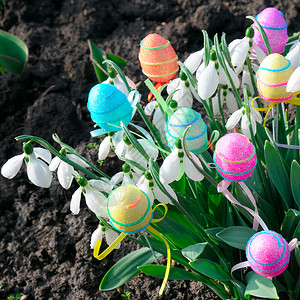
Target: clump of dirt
[{"x": 44, "y": 249}]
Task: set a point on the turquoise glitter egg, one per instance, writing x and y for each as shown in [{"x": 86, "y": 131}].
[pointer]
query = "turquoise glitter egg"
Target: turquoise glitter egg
[
  {"x": 108, "y": 107},
  {"x": 196, "y": 137}
]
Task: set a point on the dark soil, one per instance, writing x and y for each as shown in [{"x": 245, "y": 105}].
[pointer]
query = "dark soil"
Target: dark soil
[{"x": 44, "y": 249}]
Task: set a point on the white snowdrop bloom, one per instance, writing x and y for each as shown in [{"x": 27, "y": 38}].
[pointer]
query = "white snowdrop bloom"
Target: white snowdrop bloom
[
  {"x": 123, "y": 178},
  {"x": 227, "y": 97},
  {"x": 119, "y": 83},
  {"x": 257, "y": 53},
  {"x": 241, "y": 114},
  {"x": 194, "y": 60},
  {"x": 150, "y": 188},
  {"x": 239, "y": 51},
  {"x": 158, "y": 119},
  {"x": 223, "y": 79},
  {"x": 208, "y": 81},
  {"x": 246, "y": 81},
  {"x": 294, "y": 55},
  {"x": 176, "y": 164},
  {"x": 64, "y": 170},
  {"x": 104, "y": 148},
  {"x": 109, "y": 234},
  {"x": 183, "y": 96},
  {"x": 95, "y": 200},
  {"x": 293, "y": 84},
  {"x": 37, "y": 170}
]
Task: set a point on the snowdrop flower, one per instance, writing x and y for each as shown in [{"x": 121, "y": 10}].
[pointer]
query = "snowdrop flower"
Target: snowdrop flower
[
  {"x": 95, "y": 200},
  {"x": 241, "y": 114},
  {"x": 225, "y": 97},
  {"x": 37, "y": 170},
  {"x": 106, "y": 146},
  {"x": 150, "y": 188},
  {"x": 109, "y": 234},
  {"x": 124, "y": 177},
  {"x": 178, "y": 163},
  {"x": 293, "y": 84},
  {"x": 64, "y": 170},
  {"x": 294, "y": 55},
  {"x": 158, "y": 119},
  {"x": 194, "y": 60},
  {"x": 183, "y": 96}
]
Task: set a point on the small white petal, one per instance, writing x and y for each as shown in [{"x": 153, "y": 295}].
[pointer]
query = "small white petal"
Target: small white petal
[
  {"x": 208, "y": 81},
  {"x": 54, "y": 163},
  {"x": 234, "y": 44},
  {"x": 170, "y": 168},
  {"x": 194, "y": 60},
  {"x": 234, "y": 119},
  {"x": 127, "y": 179},
  {"x": 150, "y": 107},
  {"x": 97, "y": 235},
  {"x": 96, "y": 202},
  {"x": 189, "y": 168},
  {"x": 173, "y": 85},
  {"x": 183, "y": 97},
  {"x": 147, "y": 190},
  {"x": 117, "y": 178},
  {"x": 161, "y": 196},
  {"x": 110, "y": 236},
  {"x": 246, "y": 80},
  {"x": 42, "y": 153},
  {"x": 150, "y": 149},
  {"x": 231, "y": 102},
  {"x": 293, "y": 84},
  {"x": 245, "y": 126},
  {"x": 121, "y": 148},
  {"x": 215, "y": 103},
  {"x": 159, "y": 121},
  {"x": 260, "y": 54},
  {"x": 240, "y": 52},
  {"x": 100, "y": 185},
  {"x": 104, "y": 148},
  {"x": 253, "y": 124},
  {"x": 64, "y": 174},
  {"x": 256, "y": 115},
  {"x": 75, "y": 201},
  {"x": 12, "y": 166},
  {"x": 134, "y": 155},
  {"x": 38, "y": 172},
  {"x": 77, "y": 160},
  {"x": 294, "y": 56}
]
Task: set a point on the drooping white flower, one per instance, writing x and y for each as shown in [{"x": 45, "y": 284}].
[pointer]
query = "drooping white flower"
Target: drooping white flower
[
  {"x": 119, "y": 83},
  {"x": 239, "y": 50},
  {"x": 150, "y": 188},
  {"x": 126, "y": 176},
  {"x": 158, "y": 119},
  {"x": 37, "y": 170},
  {"x": 241, "y": 114},
  {"x": 95, "y": 200},
  {"x": 109, "y": 234},
  {"x": 294, "y": 55},
  {"x": 293, "y": 84},
  {"x": 176, "y": 163},
  {"x": 183, "y": 96},
  {"x": 227, "y": 97},
  {"x": 194, "y": 60},
  {"x": 64, "y": 170}
]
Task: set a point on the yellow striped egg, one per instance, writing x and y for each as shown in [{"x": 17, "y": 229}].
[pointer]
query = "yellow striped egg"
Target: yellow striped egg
[
  {"x": 272, "y": 77},
  {"x": 158, "y": 58},
  {"x": 129, "y": 209}
]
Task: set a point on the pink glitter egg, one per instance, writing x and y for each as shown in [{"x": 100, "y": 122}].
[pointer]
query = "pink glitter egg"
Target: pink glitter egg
[
  {"x": 235, "y": 157},
  {"x": 268, "y": 253},
  {"x": 275, "y": 27}
]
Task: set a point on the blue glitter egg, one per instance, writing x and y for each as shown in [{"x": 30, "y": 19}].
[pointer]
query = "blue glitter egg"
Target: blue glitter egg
[
  {"x": 108, "y": 107},
  {"x": 196, "y": 137}
]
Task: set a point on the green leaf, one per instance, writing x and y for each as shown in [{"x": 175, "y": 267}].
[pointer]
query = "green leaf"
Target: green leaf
[
  {"x": 175, "y": 273},
  {"x": 277, "y": 172},
  {"x": 236, "y": 236},
  {"x": 97, "y": 57},
  {"x": 211, "y": 269},
  {"x": 295, "y": 185},
  {"x": 192, "y": 252},
  {"x": 117, "y": 59},
  {"x": 260, "y": 286},
  {"x": 290, "y": 223},
  {"x": 214, "y": 231},
  {"x": 126, "y": 268},
  {"x": 13, "y": 53}
]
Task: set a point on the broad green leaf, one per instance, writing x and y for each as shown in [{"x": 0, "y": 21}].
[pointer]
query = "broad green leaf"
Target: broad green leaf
[
  {"x": 192, "y": 252},
  {"x": 260, "y": 286},
  {"x": 97, "y": 56},
  {"x": 126, "y": 268},
  {"x": 175, "y": 273},
  {"x": 117, "y": 59},
  {"x": 278, "y": 173},
  {"x": 236, "y": 236},
  {"x": 295, "y": 183},
  {"x": 212, "y": 232},
  {"x": 211, "y": 269},
  {"x": 290, "y": 223},
  {"x": 13, "y": 53}
]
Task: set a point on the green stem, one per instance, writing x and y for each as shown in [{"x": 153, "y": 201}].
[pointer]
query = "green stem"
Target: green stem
[{"x": 220, "y": 106}]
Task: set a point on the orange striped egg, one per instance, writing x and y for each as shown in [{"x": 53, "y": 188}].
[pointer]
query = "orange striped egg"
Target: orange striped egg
[{"x": 158, "y": 58}]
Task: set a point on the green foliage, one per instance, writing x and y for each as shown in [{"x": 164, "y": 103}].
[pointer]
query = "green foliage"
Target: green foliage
[{"x": 15, "y": 296}]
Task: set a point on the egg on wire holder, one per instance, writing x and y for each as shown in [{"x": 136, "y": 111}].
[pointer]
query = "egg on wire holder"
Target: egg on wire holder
[
  {"x": 268, "y": 254},
  {"x": 129, "y": 210}
]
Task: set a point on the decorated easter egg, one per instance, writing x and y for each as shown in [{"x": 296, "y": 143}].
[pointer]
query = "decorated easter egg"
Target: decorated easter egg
[
  {"x": 268, "y": 253},
  {"x": 129, "y": 209},
  {"x": 196, "y": 137},
  {"x": 108, "y": 107},
  {"x": 235, "y": 157},
  {"x": 275, "y": 27},
  {"x": 272, "y": 77},
  {"x": 158, "y": 58}
]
